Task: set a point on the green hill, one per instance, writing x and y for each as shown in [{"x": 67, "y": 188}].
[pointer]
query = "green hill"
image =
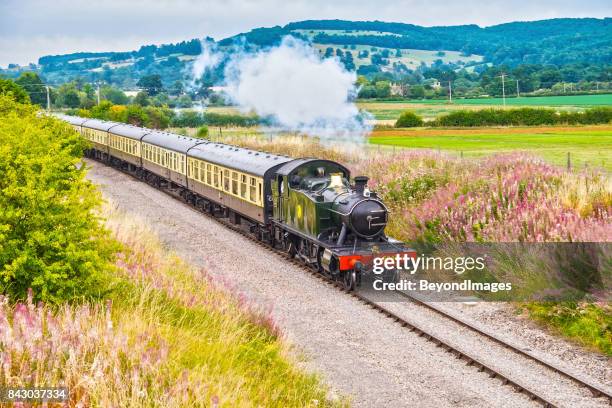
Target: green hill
[{"x": 368, "y": 46}]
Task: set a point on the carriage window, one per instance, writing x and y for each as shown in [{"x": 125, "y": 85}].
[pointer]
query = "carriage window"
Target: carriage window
[
  {"x": 234, "y": 183},
  {"x": 243, "y": 186},
  {"x": 208, "y": 174},
  {"x": 226, "y": 180},
  {"x": 252, "y": 189}
]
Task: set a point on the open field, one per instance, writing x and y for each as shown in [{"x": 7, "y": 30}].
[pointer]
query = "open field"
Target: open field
[
  {"x": 387, "y": 112},
  {"x": 588, "y": 146},
  {"x": 412, "y": 58}
]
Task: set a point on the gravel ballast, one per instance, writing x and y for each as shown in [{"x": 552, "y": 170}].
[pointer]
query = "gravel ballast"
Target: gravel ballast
[{"x": 359, "y": 353}]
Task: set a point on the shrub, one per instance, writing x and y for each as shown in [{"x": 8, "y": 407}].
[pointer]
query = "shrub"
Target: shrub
[
  {"x": 202, "y": 132},
  {"x": 50, "y": 239},
  {"x": 523, "y": 117},
  {"x": 409, "y": 119}
]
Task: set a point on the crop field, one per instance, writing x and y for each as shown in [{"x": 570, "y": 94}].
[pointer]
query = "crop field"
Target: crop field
[{"x": 589, "y": 146}]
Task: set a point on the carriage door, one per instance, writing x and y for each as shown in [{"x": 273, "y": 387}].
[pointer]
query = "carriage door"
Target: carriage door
[{"x": 279, "y": 198}]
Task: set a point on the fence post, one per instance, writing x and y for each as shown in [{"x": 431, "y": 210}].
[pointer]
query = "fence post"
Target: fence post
[
  {"x": 461, "y": 155},
  {"x": 569, "y": 161}
]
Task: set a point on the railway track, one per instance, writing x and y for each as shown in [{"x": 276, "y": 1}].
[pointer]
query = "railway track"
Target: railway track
[{"x": 469, "y": 359}]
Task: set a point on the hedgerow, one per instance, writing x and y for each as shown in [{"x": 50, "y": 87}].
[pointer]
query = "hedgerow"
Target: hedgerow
[
  {"x": 522, "y": 117},
  {"x": 50, "y": 238}
]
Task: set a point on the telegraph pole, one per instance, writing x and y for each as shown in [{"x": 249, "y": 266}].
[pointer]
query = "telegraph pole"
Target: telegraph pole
[
  {"x": 48, "y": 99},
  {"x": 503, "y": 76},
  {"x": 98, "y": 84},
  {"x": 518, "y": 93},
  {"x": 450, "y": 92}
]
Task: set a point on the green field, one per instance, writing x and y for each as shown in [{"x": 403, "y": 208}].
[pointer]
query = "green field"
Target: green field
[
  {"x": 386, "y": 112},
  {"x": 592, "y": 148}
]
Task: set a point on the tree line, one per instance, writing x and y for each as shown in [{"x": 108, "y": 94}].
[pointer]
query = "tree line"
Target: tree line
[
  {"x": 523, "y": 80},
  {"x": 509, "y": 117}
]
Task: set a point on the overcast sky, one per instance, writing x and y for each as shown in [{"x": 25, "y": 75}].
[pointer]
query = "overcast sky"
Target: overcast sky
[{"x": 33, "y": 28}]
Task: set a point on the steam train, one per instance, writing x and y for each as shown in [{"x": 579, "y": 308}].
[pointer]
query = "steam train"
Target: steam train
[{"x": 305, "y": 206}]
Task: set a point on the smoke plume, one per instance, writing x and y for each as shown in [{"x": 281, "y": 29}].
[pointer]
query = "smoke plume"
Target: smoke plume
[{"x": 291, "y": 85}]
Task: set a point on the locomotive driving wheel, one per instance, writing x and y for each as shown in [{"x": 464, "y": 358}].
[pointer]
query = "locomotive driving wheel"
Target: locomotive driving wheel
[{"x": 349, "y": 280}]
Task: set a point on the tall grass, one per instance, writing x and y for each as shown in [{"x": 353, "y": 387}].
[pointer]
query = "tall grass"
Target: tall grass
[
  {"x": 434, "y": 196},
  {"x": 170, "y": 337}
]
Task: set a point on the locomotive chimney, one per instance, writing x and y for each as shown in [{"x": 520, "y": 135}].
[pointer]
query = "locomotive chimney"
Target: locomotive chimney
[{"x": 360, "y": 184}]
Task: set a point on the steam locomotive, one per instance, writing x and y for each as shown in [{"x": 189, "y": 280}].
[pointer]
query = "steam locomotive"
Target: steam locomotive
[{"x": 305, "y": 206}]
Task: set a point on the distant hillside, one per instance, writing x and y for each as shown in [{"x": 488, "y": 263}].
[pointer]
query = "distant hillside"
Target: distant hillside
[
  {"x": 556, "y": 41},
  {"x": 366, "y": 46}
]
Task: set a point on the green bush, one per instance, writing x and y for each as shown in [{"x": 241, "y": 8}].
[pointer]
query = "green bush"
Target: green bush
[
  {"x": 409, "y": 119},
  {"x": 50, "y": 238},
  {"x": 202, "y": 132},
  {"x": 522, "y": 117}
]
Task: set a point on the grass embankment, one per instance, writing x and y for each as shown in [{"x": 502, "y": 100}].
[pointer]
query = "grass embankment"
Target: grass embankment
[
  {"x": 588, "y": 146},
  {"x": 437, "y": 197},
  {"x": 120, "y": 322},
  {"x": 168, "y": 336}
]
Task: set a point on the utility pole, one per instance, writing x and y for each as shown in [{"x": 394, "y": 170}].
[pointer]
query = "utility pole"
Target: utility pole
[
  {"x": 564, "y": 87},
  {"x": 518, "y": 93},
  {"x": 98, "y": 84},
  {"x": 503, "y": 76},
  {"x": 48, "y": 99},
  {"x": 450, "y": 92}
]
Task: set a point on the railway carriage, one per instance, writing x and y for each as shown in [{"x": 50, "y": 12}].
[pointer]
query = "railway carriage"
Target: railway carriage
[
  {"x": 75, "y": 121},
  {"x": 124, "y": 143},
  {"x": 96, "y": 131},
  {"x": 165, "y": 154},
  {"x": 307, "y": 207},
  {"x": 234, "y": 177}
]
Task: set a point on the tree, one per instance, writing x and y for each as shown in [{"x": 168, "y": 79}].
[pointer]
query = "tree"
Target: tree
[
  {"x": 329, "y": 52},
  {"x": 68, "y": 95},
  {"x": 152, "y": 84},
  {"x": 88, "y": 96},
  {"x": 184, "y": 101},
  {"x": 34, "y": 86},
  {"x": 158, "y": 118},
  {"x": 348, "y": 61},
  {"x": 176, "y": 89},
  {"x": 398, "y": 53},
  {"x": 116, "y": 96},
  {"x": 14, "y": 91},
  {"x": 383, "y": 89},
  {"x": 417, "y": 91},
  {"x": 141, "y": 99}
]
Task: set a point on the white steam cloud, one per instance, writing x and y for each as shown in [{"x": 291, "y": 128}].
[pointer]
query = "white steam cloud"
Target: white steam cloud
[
  {"x": 208, "y": 59},
  {"x": 292, "y": 85}
]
